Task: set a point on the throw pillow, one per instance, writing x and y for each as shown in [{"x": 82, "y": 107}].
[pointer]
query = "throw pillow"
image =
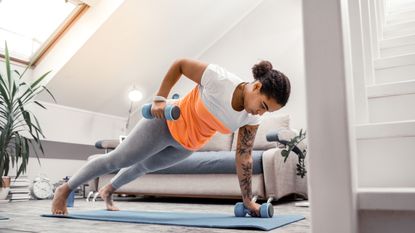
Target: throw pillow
[{"x": 219, "y": 142}]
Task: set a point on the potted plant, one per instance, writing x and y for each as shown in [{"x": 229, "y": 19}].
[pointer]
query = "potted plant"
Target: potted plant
[
  {"x": 294, "y": 144},
  {"x": 15, "y": 119}
]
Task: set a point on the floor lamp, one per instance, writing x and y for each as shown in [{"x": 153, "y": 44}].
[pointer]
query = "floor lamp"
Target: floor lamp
[{"x": 134, "y": 96}]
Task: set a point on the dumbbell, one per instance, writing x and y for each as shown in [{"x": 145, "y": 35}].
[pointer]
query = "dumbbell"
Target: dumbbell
[
  {"x": 265, "y": 211},
  {"x": 171, "y": 112},
  {"x": 175, "y": 96}
]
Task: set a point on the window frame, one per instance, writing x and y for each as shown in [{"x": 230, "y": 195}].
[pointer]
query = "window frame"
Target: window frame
[{"x": 75, "y": 15}]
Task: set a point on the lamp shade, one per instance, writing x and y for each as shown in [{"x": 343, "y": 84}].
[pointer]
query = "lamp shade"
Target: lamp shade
[{"x": 135, "y": 95}]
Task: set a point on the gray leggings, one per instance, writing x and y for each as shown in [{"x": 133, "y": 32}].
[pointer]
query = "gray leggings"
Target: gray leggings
[{"x": 148, "y": 147}]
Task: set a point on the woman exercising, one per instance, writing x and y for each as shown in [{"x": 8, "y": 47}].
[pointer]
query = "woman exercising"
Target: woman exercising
[{"x": 221, "y": 101}]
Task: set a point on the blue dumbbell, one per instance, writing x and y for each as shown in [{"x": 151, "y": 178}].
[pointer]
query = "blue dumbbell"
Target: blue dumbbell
[
  {"x": 171, "y": 112},
  {"x": 265, "y": 211}
]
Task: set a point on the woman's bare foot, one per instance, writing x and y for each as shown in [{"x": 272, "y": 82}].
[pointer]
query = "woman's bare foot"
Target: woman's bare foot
[
  {"x": 106, "y": 194},
  {"x": 59, "y": 199}
]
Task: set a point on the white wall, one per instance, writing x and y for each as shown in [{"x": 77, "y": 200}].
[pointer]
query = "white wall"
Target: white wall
[
  {"x": 272, "y": 31},
  {"x": 64, "y": 124},
  {"x": 71, "y": 125}
]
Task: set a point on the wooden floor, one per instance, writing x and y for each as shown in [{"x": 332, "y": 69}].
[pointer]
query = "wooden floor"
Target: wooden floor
[{"x": 25, "y": 216}]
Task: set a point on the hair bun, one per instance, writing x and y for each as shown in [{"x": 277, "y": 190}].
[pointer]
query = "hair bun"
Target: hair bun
[{"x": 261, "y": 69}]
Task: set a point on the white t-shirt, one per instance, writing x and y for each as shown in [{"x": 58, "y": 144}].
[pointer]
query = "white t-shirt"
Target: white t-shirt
[{"x": 216, "y": 90}]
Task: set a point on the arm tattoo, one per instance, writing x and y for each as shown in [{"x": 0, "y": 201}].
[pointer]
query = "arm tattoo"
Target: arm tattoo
[
  {"x": 246, "y": 138},
  {"x": 245, "y": 181}
]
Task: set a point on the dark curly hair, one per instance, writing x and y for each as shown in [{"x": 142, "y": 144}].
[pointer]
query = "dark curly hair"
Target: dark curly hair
[{"x": 275, "y": 84}]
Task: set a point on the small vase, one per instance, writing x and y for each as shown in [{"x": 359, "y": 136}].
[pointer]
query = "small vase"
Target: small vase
[{"x": 6, "y": 181}]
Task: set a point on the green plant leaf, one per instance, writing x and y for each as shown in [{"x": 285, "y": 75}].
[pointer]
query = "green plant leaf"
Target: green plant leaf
[
  {"x": 14, "y": 118},
  {"x": 34, "y": 149},
  {"x": 38, "y": 126},
  {"x": 290, "y": 145},
  {"x": 17, "y": 72},
  {"x": 26, "y": 117},
  {"x": 50, "y": 93},
  {"x": 6, "y": 163},
  {"x": 23, "y": 164},
  {"x": 7, "y": 62},
  {"x": 4, "y": 92},
  {"x": 14, "y": 90},
  {"x": 284, "y": 153},
  {"x": 33, "y": 87},
  {"x": 40, "y": 104},
  {"x": 34, "y": 84}
]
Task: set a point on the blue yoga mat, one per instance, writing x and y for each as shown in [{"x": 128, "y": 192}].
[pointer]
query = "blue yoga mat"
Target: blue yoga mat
[{"x": 184, "y": 219}]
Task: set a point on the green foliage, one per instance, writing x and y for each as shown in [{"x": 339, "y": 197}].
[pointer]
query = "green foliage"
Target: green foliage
[
  {"x": 15, "y": 96},
  {"x": 290, "y": 146}
]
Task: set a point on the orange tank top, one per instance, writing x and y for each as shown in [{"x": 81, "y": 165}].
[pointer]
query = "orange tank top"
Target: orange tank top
[{"x": 196, "y": 124}]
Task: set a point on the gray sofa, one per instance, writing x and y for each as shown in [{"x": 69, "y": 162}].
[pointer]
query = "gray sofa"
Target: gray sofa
[{"x": 211, "y": 173}]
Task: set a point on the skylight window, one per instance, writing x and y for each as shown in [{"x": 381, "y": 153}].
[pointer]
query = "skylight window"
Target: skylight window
[{"x": 31, "y": 26}]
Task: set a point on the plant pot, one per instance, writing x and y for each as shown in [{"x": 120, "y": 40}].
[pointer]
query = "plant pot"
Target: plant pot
[
  {"x": 4, "y": 190},
  {"x": 6, "y": 181}
]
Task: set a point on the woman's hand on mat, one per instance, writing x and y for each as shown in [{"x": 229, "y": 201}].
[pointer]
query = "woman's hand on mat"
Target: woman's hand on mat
[
  {"x": 157, "y": 109},
  {"x": 253, "y": 208}
]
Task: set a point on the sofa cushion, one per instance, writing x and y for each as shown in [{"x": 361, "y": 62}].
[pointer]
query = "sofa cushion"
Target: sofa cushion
[
  {"x": 268, "y": 123},
  {"x": 219, "y": 142},
  {"x": 211, "y": 162}
]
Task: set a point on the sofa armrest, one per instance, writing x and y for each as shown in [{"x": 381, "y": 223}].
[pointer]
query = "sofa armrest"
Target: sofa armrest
[
  {"x": 107, "y": 144},
  {"x": 281, "y": 178},
  {"x": 284, "y": 137}
]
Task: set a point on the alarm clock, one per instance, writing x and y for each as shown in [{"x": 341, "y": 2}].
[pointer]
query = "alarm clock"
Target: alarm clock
[{"x": 42, "y": 188}]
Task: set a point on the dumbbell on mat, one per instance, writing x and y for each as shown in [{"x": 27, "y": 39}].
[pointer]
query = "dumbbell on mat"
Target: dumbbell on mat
[
  {"x": 171, "y": 112},
  {"x": 265, "y": 211}
]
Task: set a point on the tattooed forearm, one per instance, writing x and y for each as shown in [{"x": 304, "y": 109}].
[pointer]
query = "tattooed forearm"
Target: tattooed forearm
[
  {"x": 245, "y": 181},
  {"x": 246, "y": 138}
]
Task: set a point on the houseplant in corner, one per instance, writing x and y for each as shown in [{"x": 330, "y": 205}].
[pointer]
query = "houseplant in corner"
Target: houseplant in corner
[{"x": 15, "y": 119}]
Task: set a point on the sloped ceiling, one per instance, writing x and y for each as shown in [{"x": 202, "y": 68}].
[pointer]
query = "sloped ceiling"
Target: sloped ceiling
[{"x": 136, "y": 46}]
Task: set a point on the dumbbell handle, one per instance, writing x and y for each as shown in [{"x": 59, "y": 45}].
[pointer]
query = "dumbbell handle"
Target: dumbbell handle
[{"x": 171, "y": 112}]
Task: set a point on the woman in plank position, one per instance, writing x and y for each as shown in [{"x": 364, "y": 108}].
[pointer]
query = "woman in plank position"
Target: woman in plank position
[{"x": 220, "y": 101}]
